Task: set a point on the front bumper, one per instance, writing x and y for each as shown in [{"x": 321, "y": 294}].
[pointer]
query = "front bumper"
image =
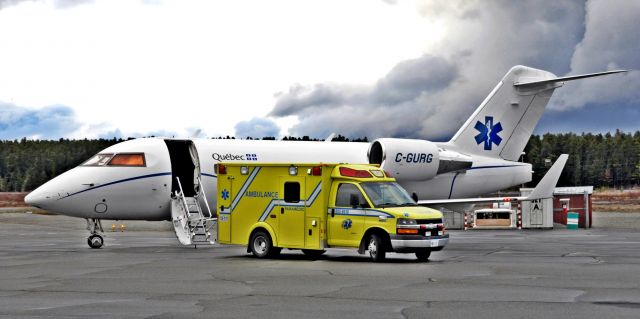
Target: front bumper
[{"x": 400, "y": 243}]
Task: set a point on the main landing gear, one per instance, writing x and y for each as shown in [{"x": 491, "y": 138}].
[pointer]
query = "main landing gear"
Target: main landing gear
[{"x": 94, "y": 226}]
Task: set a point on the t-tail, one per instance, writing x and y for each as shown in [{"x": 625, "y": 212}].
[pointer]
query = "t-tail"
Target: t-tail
[{"x": 505, "y": 120}]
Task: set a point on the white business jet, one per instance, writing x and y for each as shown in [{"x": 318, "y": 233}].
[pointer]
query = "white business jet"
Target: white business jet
[{"x": 137, "y": 179}]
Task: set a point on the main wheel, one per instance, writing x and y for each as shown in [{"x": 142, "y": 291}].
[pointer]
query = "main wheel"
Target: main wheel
[
  {"x": 376, "y": 247},
  {"x": 95, "y": 241},
  {"x": 423, "y": 255},
  {"x": 261, "y": 245},
  {"x": 313, "y": 253}
]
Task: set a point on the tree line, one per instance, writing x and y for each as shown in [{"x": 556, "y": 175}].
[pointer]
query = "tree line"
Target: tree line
[
  {"x": 600, "y": 160},
  {"x": 611, "y": 160}
]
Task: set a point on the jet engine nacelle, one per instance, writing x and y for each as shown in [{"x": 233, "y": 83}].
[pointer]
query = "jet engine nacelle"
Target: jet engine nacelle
[{"x": 406, "y": 159}]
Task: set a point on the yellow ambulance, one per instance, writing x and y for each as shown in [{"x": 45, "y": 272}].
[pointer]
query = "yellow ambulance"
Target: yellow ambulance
[{"x": 317, "y": 206}]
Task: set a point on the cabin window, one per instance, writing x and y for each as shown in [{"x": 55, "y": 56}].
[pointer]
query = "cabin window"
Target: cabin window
[
  {"x": 291, "y": 192},
  {"x": 128, "y": 159},
  {"x": 98, "y": 160}
]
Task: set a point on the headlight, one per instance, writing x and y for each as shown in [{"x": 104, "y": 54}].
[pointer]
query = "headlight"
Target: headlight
[{"x": 407, "y": 221}]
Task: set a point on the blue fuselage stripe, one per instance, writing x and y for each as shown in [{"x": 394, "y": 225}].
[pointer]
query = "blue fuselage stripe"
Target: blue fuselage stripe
[{"x": 495, "y": 166}]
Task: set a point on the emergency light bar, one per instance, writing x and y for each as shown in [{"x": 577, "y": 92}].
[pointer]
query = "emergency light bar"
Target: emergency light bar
[{"x": 350, "y": 172}]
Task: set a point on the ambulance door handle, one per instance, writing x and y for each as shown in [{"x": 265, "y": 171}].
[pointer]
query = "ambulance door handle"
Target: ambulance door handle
[
  {"x": 281, "y": 210},
  {"x": 333, "y": 212}
]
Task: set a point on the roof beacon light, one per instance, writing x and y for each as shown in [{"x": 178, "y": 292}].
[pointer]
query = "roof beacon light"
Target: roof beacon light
[
  {"x": 350, "y": 172},
  {"x": 221, "y": 169},
  {"x": 293, "y": 170},
  {"x": 377, "y": 173},
  {"x": 316, "y": 171},
  {"x": 244, "y": 170}
]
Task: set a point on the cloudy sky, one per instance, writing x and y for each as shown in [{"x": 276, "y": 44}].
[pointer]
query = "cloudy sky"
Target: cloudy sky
[{"x": 389, "y": 68}]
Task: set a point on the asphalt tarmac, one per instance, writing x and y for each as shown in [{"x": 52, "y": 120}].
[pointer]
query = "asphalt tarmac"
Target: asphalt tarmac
[{"x": 48, "y": 271}]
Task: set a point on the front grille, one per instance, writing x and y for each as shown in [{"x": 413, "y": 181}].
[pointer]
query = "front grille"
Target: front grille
[{"x": 429, "y": 221}]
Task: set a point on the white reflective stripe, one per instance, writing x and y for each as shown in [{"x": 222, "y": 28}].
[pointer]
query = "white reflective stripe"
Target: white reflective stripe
[
  {"x": 314, "y": 194},
  {"x": 244, "y": 187},
  {"x": 281, "y": 202},
  {"x": 267, "y": 210}
]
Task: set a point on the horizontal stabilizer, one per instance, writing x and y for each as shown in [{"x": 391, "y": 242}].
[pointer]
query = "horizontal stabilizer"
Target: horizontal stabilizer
[
  {"x": 565, "y": 78},
  {"x": 544, "y": 189}
]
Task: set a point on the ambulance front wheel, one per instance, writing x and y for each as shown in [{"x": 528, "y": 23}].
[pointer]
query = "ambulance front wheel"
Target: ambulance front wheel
[
  {"x": 262, "y": 246},
  {"x": 376, "y": 248}
]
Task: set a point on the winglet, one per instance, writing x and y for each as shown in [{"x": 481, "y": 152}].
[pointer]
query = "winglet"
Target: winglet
[{"x": 545, "y": 187}]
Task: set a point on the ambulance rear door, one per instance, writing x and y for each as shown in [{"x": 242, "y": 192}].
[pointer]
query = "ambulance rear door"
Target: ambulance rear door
[{"x": 291, "y": 212}]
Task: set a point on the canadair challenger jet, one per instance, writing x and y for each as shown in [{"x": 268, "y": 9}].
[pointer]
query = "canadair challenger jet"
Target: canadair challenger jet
[{"x": 136, "y": 179}]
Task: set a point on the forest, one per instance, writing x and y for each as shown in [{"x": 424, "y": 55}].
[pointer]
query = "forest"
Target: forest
[{"x": 601, "y": 160}]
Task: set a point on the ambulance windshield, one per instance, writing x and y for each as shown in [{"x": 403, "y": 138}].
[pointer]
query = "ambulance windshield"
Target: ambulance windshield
[{"x": 387, "y": 194}]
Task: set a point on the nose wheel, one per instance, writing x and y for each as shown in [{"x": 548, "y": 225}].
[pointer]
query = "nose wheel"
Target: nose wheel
[
  {"x": 95, "y": 241},
  {"x": 94, "y": 226}
]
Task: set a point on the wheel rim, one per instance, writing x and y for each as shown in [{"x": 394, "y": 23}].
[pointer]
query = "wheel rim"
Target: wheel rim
[
  {"x": 260, "y": 245},
  {"x": 373, "y": 248},
  {"x": 95, "y": 241}
]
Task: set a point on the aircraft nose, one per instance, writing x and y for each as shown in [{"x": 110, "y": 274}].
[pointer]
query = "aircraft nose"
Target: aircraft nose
[{"x": 38, "y": 198}]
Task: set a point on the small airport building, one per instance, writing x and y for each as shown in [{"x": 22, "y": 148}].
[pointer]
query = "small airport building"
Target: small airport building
[{"x": 537, "y": 214}]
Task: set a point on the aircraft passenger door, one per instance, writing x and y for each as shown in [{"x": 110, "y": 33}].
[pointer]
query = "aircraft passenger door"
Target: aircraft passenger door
[
  {"x": 346, "y": 219},
  {"x": 291, "y": 211}
]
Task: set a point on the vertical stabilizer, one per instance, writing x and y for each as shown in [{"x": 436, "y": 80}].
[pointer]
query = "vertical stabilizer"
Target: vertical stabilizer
[{"x": 503, "y": 123}]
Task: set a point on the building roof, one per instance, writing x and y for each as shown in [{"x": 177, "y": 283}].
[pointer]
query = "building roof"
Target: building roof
[{"x": 573, "y": 190}]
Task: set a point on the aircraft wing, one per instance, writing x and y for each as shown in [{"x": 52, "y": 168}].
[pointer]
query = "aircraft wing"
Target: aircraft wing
[{"x": 544, "y": 189}]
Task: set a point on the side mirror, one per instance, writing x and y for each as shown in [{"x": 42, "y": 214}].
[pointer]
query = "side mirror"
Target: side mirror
[
  {"x": 414, "y": 196},
  {"x": 354, "y": 200}
]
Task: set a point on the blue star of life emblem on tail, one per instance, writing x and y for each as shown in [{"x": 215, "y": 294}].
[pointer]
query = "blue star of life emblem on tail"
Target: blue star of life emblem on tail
[
  {"x": 225, "y": 194},
  {"x": 488, "y": 132}
]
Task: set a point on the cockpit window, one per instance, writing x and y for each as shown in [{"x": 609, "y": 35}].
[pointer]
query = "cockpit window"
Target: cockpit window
[
  {"x": 98, "y": 160},
  {"x": 129, "y": 159}
]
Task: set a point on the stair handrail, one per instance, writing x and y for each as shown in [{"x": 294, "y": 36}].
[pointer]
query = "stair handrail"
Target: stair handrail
[
  {"x": 204, "y": 194},
  {"x": 184, "y": 200}
]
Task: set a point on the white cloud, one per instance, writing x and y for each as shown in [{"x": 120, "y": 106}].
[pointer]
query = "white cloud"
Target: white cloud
[{"x": 611, "y": 41}]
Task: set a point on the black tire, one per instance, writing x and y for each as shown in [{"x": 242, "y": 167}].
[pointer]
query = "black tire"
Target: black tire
[
  {"x": 423, "y": 255},
  {"x": 377, "y": 248},
  {"x": 261, "y": 245},
  {"x": 313, "y": 253},
  {"x": 95, "y": 241}
]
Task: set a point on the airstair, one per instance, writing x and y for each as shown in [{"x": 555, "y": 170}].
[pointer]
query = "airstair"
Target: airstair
[{"x": 191, "y": 225}]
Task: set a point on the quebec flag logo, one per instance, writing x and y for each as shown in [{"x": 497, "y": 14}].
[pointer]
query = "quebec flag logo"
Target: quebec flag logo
[{"x": 488, "y": 133}]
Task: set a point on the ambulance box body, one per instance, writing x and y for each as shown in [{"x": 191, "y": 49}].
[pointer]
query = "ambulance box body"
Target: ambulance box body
[{"x": 317, "y": 206}]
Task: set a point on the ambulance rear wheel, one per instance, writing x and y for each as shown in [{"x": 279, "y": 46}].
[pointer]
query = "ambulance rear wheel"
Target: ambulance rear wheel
[
  {"x": 261, "y": 245},
  {"x": 376, "y": 248},
  {"x": 423, "y": 255}
]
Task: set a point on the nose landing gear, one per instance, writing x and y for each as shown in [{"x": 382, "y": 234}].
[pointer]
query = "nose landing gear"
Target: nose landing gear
[{"x": 94, "y": 226}]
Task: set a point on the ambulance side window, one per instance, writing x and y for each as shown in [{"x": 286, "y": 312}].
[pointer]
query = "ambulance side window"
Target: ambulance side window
[
  {"x": 343, "y": 197},
  {"x": 291, "y": 192}
]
